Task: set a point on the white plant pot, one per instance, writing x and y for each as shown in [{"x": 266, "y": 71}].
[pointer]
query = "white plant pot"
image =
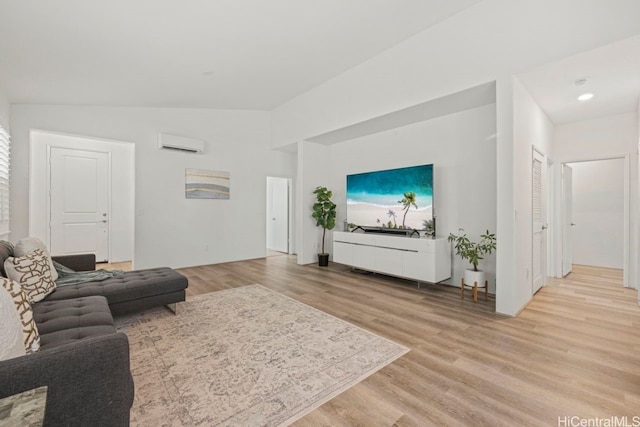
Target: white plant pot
[{"x": 471, "y": 276}]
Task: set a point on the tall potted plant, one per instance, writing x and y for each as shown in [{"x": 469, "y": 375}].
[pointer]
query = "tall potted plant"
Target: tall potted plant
[
  {"x": 473, "y": 252},
  {"x": 324, "y": 212}
]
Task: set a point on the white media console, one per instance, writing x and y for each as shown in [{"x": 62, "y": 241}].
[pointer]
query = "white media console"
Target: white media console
[{"x": 423, "y": 259}]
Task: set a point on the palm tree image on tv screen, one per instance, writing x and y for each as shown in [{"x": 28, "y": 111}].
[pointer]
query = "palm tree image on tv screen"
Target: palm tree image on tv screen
[{"x": 394, "y": 198}]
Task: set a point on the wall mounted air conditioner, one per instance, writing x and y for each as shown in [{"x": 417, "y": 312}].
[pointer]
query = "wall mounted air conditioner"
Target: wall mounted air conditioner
[{"x": 180, "y": 143}]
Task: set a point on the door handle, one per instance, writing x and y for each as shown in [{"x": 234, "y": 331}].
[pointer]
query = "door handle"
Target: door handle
[
  {"x": 573, "y": 223},
  {"x": 104, "y": 221},
  {"x": 544, "y": 227}
]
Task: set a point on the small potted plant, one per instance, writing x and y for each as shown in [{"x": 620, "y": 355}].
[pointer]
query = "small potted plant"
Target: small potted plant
[
  {"x": 324, "y": 212},
  {"x": 473, "y": 252}
]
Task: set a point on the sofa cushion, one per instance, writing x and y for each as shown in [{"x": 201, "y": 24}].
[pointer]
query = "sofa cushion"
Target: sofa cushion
[
  {"x": 130, "y": 286},
  {"x": 30, "y": 334},
  {"x": 63, "y": 322},
  {"x": 33, "y": 272},
  {"x": 30, "y": 244}
]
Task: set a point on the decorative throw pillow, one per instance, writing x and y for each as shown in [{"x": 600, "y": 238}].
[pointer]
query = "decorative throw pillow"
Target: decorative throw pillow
[
  {"x": 21, "y": 306},
  {"x": 33, "y": 273},
  {"x": 30, "y": 244},
  {"x": 11, "y": 331}
]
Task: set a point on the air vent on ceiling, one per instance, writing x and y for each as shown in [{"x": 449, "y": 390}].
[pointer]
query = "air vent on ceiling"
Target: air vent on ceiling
[{"x": 180, "y": 143}]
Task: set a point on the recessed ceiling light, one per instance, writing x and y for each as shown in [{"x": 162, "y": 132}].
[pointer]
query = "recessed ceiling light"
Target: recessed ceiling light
[{"x": 585, "y": 97}]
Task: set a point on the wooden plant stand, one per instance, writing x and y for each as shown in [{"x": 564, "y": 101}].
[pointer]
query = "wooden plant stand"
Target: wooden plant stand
[{"x": 474, "y": 289}]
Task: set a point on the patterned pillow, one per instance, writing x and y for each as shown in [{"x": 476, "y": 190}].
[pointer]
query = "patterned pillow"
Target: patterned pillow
[
  {"x": 33, "y": 273},
  {"x": 30, "y": 335},
  {"x": 29, "y": 244}
]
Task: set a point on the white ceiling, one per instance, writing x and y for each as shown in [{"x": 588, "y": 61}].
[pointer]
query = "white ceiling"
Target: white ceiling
[
  {"x": 238, "y": 54},
  {"x": 613, "y": 76}
]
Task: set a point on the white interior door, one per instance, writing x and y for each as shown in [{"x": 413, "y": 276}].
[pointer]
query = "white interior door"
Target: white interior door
[
  {"x": 79, "y": 202},
  {"x": 278, "y": 214},
  {"x": 567, "y": 221},
  {"x": 538, "y": 226}
]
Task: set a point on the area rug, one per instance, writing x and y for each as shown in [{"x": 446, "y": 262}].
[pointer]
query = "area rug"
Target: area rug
[{"x": 247, "y": 356}]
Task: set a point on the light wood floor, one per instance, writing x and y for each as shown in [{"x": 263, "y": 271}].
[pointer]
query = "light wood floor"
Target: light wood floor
[
  {"x": 574, "y": 351},
  {"x": 124, "y": 266}
]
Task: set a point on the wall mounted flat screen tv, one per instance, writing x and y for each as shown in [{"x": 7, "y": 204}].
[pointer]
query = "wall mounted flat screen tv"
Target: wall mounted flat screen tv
[{"x": 394, "y": 198}]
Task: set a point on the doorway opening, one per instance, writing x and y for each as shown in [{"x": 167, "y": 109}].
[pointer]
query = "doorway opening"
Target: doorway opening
[
  {"x": 595, "y": 215},
  {"x": 277, "y": 218},
  {"x": 77, "y": 203}
]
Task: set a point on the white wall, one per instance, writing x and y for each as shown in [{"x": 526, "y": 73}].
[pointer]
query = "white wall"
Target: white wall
[
  {"x": 598, "y": 212},
  {"x": 605, "y": 138},
  {"x": 122, "y": 184},
  {"x": 314, "y": 168},
  {"x": 462, "y": 148},
  {"x": 594, "y": 139},
  {"x": 170, "y": 229},
  {"x": 4, "y": 111},
  {"x": 531, "y": 128},
  {"x": 457, "y": 54}
]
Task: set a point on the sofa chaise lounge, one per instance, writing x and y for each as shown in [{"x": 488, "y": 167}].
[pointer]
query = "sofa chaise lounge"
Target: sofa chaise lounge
[
  {"x": 83, "y": 360},
  {"x": 134, "y": 291}
]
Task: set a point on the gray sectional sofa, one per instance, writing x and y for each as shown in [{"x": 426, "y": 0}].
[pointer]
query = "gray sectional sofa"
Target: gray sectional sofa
[
  {"x": 83, "y": 360},
  {"x": 134, "y": 291}
]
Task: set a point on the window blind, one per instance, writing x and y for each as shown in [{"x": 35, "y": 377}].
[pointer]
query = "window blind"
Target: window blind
[
  {"x": 537, "y": 192},
  {"x": 5, "y": 165}
]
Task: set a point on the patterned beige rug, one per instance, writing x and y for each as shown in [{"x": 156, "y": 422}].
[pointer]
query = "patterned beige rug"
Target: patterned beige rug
[{"x": 244, "y": 357}]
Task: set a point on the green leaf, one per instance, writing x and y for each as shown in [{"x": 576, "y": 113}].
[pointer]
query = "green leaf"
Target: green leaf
[
  {"x": 473, "y": 251},
  {"x": 324, "y": 211}
]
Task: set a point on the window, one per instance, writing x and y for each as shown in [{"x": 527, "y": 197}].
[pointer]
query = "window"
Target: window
[{"x": 5, "y": 163}]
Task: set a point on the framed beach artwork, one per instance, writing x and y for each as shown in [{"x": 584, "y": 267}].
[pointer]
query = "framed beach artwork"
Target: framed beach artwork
[{"x": 205, "y": 184}]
